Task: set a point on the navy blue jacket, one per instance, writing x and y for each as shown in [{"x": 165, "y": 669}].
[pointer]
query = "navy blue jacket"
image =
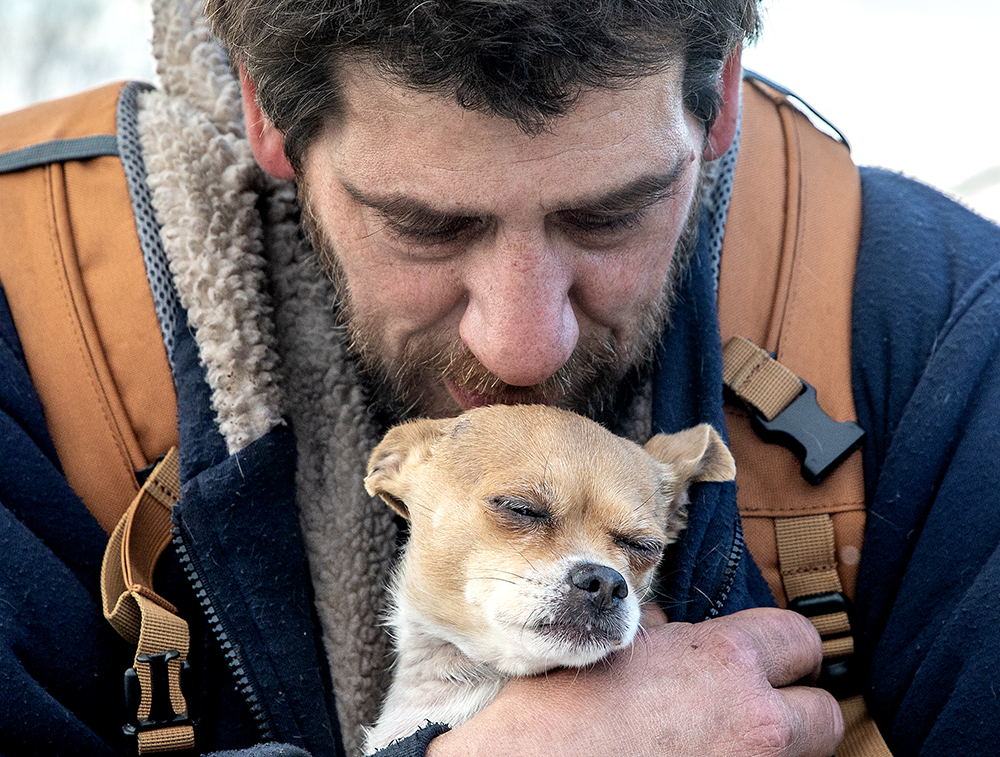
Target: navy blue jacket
[{"x": 927, "y": 389}]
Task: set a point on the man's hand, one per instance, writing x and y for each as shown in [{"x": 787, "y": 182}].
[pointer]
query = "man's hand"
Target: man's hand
[{"x": 728, "y": 687}]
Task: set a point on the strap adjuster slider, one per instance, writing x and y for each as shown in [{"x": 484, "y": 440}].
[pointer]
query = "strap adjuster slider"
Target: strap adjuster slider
[
  {"x": 161, "y": 711},
  {"x": 839, "y": 674}
]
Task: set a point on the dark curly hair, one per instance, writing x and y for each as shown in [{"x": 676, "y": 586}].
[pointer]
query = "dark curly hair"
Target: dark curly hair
[{"x": 527, "y": 60}]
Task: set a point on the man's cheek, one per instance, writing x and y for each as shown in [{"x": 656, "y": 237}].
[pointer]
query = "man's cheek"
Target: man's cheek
[
  {"x": 613, "y": 292},
  {"x": 406, "y": 299}
]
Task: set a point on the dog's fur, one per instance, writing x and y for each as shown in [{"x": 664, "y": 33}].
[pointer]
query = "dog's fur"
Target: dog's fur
[{"x": 535, "y": 534}]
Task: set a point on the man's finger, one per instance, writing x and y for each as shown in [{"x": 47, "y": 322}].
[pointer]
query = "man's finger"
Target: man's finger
[
  {"x": 788, "y": 646},
  {"x": 817, "y": 722},
  {"x": 782, "y": 644}
]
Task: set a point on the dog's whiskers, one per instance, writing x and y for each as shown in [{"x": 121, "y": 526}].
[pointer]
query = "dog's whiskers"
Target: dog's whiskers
[
  {"x": 644, "y": 503},
  {"x": 641, "y": 637},
  {"x": 493, "y": 578},
  {"x": 423, "y": 507},
  {"x": 534, "y": 618},
  {"x": 523, "y": 557},
  {"x": 516, "y": 575}
]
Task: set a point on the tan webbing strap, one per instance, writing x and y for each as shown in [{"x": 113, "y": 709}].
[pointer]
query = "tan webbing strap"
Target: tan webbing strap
[
  {"x": 805, "y": 545},
  {"x": 757, "y": 378},
  {"x": 144, "y": 618},
  {"x": 806, "y": 550},
  {"x": 861, "y": 735},
  {"x": 809, "y": 567}
]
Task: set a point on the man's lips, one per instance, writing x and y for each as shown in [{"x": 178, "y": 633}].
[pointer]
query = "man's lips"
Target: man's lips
[{"x": 468, "y": 399}]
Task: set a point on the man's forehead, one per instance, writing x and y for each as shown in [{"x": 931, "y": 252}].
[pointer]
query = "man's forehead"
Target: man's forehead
[{"x": 394, "y": 140}]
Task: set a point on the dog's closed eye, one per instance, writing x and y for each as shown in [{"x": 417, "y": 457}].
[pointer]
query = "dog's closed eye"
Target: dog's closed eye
[
  {"x": 641, "y": 552},
  {"x": 519, "y": 512},
  {"x": 640, "y": 546}
]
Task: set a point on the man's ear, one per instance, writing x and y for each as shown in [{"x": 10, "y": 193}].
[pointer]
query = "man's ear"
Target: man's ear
[
  {"x": 267, "y": 143},
  {"x": 393, "y": 459},
  {"x": 695, "y": 454},
  {"x": 723, "y": 131}
]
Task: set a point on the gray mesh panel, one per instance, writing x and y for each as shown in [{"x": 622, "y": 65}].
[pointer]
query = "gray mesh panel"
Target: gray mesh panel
[
  {"x": 168, "y": 307},
  {"x": 717, "y": 199}
]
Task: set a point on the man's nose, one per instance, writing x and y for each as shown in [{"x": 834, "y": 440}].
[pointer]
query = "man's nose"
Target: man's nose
[{"x": 519, "y": 322}]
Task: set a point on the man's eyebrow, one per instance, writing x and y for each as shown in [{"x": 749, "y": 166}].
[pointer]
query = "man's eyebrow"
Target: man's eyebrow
[
  {"x": 401, "y": 209},
  {"x": 640, "y": 193},
  {"x": 637, "y": 194}
]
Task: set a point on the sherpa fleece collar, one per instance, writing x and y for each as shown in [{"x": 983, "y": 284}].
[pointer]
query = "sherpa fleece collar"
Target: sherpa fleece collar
[{"x": 265, "y": 326}]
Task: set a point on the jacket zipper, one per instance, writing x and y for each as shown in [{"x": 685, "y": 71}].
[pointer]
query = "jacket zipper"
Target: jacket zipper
[
  {"x": 243, "y": 683},
  {"x": 736, "y": 550}
]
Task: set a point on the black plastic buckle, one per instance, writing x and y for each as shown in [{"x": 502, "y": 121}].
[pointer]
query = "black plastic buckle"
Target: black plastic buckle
[
  {"x": 820, "y": 442},
  {"x": 838, "y": 675},
  {"x": 161, "y": 713}
]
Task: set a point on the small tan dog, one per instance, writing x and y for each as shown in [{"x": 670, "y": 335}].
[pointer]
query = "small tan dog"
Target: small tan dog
[{"x": 534, "y": 536}]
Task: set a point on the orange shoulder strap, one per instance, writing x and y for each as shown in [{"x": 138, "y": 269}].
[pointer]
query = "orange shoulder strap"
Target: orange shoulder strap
[
  {"x": 786, "y": 282},
  {"x": 72, "y": 269}
]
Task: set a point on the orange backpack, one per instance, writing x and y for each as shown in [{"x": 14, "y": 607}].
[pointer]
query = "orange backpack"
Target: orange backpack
[
  {"x": 84, "y": 312},
  {"x": 86, "y": 319},
  {"x": 82, "y": 307}
]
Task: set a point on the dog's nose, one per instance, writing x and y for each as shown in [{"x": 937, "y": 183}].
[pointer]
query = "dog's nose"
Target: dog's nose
[{"x": 604, "y": 585}]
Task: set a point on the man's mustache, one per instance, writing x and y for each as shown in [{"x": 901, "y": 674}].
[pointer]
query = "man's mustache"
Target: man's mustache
[{"x": 457, "y": 363}]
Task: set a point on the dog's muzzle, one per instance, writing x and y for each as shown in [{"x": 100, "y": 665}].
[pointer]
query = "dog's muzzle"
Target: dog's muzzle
[{"x": 591, "y": 613}]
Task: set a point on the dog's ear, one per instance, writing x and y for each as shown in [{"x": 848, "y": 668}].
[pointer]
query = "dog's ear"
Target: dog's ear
[
  {"x": 695, "y": 454},
  {"x": 399, "y": 449}
]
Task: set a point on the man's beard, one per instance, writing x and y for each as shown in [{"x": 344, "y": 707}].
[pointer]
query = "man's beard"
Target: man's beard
[{"x": 413, "y": 384}]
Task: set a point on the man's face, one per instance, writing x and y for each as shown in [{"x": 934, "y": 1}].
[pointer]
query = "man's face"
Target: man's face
[{"x": 477, "y": 264}]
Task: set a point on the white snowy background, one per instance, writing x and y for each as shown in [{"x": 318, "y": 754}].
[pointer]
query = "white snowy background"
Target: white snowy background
[{"x": 912, "y": 83}]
